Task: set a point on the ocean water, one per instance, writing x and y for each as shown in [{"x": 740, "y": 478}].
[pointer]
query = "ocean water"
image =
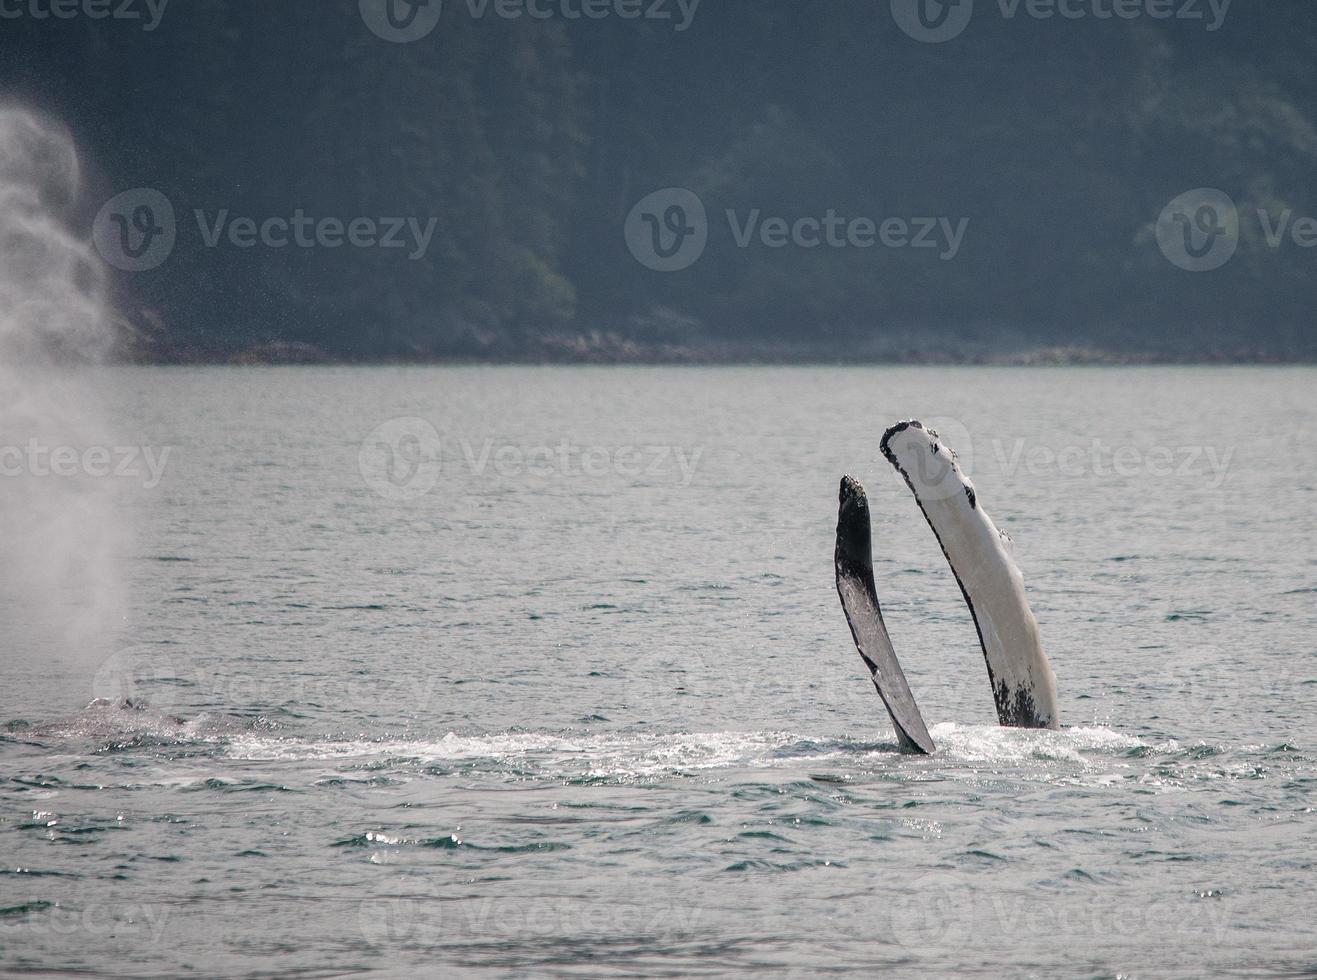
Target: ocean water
[{"x": 541, "y": 672}]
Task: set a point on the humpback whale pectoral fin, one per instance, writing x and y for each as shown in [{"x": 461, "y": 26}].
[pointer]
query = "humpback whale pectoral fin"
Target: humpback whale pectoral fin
[
  {"x": 859, "y": 600},
  {"x": 981, "y": 558}
]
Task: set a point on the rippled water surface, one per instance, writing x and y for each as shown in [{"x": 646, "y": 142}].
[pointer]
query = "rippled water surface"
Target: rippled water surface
[{"x": 576, "y": 695}]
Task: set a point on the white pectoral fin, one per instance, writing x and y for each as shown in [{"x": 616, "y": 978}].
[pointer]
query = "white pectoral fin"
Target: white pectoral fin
[{"x": 981, "y": 558}]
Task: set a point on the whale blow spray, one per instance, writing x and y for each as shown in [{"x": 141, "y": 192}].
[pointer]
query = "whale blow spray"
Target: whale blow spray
[{"x": 61, "y": 531}]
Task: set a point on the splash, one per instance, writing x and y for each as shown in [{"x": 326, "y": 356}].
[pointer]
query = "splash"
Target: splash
[
  {"x": 60, "y": 528},
  {"x": 658, "y": 754}
]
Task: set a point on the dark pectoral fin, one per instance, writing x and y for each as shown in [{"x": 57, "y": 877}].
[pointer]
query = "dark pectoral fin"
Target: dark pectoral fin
[{"x": 859, "y": 600}]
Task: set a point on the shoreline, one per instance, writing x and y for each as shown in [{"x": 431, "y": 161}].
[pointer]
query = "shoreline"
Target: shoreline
[{"x": 284, "y": 355}]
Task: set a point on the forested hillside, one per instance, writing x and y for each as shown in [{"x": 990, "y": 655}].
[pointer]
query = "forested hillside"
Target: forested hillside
[{"x": 1051, "y": 144}]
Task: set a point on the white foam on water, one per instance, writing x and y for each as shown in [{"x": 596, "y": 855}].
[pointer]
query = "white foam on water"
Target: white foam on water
[
  {"x": 997, "y": 745},
  {"x": 605, "y": 754}
]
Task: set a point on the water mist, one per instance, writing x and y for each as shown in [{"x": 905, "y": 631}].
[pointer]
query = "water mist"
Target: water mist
[{"x": 62, "y": 530}]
